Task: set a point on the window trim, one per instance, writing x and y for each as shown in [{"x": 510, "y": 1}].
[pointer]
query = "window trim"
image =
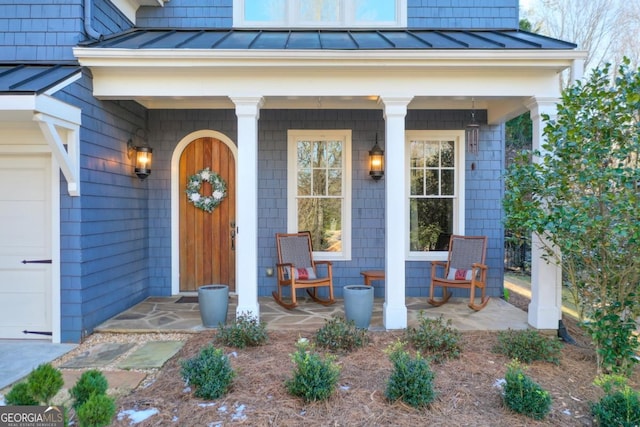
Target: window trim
[
  {"x": 458, "y": 136},
  {"x": 293, "y": 135},
  {"x": 291, "y": 19}
]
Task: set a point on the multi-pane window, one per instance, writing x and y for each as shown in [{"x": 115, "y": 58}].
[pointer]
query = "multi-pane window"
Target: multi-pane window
[
  {"x": 320, "y": 189},
  {"x": 435, "y": 187},
  {"x": 320, "y": 13}
]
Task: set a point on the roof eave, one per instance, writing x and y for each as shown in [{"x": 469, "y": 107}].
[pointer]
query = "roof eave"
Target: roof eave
[{"x": 557, "y": 60}]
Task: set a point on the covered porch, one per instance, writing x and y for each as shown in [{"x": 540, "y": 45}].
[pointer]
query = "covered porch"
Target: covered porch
[{"x": 500, "y": 74}]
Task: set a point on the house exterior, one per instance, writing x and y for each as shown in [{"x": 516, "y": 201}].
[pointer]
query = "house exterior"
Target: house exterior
[{"x": 283, "y": 102}]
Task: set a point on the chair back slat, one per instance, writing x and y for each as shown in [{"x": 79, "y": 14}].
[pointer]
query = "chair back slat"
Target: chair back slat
[
  {"x": 296, "y": 250},
  {"x": 466, "y": 251}
]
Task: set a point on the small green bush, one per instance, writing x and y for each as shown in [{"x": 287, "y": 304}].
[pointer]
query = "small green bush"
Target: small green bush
[
  {"x": 620, "y": 406},
  {"x": 338, "y": 334},
  {"x": 412, "y": 378},
  {"x": 210, "y": 373},
  {"x": 44, "y": 382},
  {"x": 90, "y": 382},
  {"x": 435, "y": 338},
  {"x": 523, "y": 395},
  {"x": 19, "y": 395},
  {"x": 245, "y": 331},
  {"x": 528, "y": 345},
  {"x": 314, "y": 377},
  {"x": 97, "y": 411}
]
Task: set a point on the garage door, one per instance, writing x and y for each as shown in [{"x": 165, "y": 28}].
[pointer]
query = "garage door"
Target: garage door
[{"x": 25, "y": 235}]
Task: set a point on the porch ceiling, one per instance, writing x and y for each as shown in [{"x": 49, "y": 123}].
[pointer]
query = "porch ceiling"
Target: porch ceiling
[{"x": 296, "y": 69}]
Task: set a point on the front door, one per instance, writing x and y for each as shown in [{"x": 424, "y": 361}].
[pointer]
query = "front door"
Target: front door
[
  {"x": 25, "y": 246},
  {"x": 207, "y": 239}
]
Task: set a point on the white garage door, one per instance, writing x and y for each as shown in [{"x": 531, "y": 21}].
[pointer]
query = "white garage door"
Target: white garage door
[{"x": 25, "y": 235}]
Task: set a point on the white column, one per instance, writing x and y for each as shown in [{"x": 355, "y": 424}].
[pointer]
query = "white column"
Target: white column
[
  {"x": 577, "y": 71},
  {"x": 394, "y": 309},
  {"x": 248, "y": 112},
  {"x": 545, "y": 309}
]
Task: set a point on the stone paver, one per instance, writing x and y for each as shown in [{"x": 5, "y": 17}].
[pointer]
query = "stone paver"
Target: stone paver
[
  {"x": 117, "y": 379},
  {"x": 151, "y": 355},
  {"x": 99, "y": 355}
]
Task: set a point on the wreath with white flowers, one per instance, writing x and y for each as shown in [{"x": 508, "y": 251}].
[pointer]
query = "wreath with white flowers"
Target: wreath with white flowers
[{"x": 218, "y": 186}]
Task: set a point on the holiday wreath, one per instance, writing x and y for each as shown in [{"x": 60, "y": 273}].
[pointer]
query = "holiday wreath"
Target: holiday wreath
[{"x": 218, "y": 186}]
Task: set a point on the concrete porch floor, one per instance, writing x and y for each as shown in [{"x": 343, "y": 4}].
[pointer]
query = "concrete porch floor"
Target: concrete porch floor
[{"x": 165, "y": 314}]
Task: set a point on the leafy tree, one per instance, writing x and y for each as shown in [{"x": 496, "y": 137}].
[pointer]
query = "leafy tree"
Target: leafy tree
[{"x": 582, "y": 198}]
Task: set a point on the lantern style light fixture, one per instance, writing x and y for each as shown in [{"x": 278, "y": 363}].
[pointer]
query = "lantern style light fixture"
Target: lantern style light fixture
[
  {"x": 473, "y": 131},
  {"x": 142, "y": 154},
  {"x": 376, "y": 161}
]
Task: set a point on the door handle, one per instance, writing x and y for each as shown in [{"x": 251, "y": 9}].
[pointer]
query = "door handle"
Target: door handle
[
  {"x": 232, "y": 225},
  {"x": 36, "y": 261}
]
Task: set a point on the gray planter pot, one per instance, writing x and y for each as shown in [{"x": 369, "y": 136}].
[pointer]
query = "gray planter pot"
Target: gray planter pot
[
  {"x": 358, "y": 304},
  {"x": 214, "y": 303}
]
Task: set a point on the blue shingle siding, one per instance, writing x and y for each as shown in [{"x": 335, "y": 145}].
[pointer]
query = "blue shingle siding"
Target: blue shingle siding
[
  {"x": 47, "y": 30},
  {"x": 441, "y": 14},
  {"x": 188, "y": 13},
  {"x": 105, "y": 231},
  {"x": 33, "y": 30},
  {"x": 463, "y": 14},
  {"x": 107, "y": 19}
]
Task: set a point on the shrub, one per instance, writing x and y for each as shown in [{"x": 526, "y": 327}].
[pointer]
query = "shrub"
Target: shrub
[
  {"x": 338, "y": 334},
  {"x": 210, "y": 373},
  {"x": 44, "y": 382},
  {"x": 411, "y": 380},
  {"x": 314, "y": 377},
  {"x": 19, "y": 395},
  {"x": 245, "y": 331},
  {"x": 528, "y": 345},
  {"x": 620, "y": 406},
  {"x": 90, "y": 382},
  {"x": 435, "y": 337},
  {"x": 523, "y": 395},
  {"x": 97, "y": 411}
]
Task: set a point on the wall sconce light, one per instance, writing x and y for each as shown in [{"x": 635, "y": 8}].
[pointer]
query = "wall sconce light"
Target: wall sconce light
[
  {"x": 376, "y": 161},
  {"x": 473, "y": 131},
  {"x": 143, "y": 156}
]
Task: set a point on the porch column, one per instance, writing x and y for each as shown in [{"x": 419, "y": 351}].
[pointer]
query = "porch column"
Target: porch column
[
  {"x": 395, "y": 310},
  {"x": 248, "y": 112},
  {"x": 545, "y": 309}
]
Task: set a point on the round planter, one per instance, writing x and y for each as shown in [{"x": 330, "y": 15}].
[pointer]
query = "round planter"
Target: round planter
[
  {"x": 214, "y": 303},
  {"x": 358, "y": 304}
]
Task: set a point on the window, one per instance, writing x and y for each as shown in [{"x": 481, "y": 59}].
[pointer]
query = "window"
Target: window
[
  {"x": 436, "y": 191},
  {"x": 320, "y": 13},
  {"x": 319, "y": 190}
]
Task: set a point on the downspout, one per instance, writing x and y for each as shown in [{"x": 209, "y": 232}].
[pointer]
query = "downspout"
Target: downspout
[{"x": 91, "y": 32}]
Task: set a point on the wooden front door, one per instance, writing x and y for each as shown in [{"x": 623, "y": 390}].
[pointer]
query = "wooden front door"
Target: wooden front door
[{"x": 207, "y": 240}]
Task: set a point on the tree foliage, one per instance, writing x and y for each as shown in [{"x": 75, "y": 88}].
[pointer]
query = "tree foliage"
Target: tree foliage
[{"x": 582, "y": 197}]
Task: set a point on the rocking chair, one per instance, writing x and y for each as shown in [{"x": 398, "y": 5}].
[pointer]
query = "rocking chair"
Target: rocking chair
[
  {"x": 465, "y": 268},
  {"x": 297, "y": 269}
]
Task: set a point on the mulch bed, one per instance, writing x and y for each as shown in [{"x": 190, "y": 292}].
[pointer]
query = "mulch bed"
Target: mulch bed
[{"x": 466, "y": 387}]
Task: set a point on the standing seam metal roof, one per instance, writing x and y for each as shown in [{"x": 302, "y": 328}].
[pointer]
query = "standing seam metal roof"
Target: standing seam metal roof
[
  {"x": 27, "y": 78},
  {"x": 247, "y": 39}
]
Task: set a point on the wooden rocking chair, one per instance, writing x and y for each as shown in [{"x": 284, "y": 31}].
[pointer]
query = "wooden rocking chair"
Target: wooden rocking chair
[
  {"x": 465, "y": 268},
  {"x": 297, "y": 269}
]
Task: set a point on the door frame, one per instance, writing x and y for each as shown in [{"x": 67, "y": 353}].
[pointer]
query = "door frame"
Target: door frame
[{"x": 177, "y": 192}]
